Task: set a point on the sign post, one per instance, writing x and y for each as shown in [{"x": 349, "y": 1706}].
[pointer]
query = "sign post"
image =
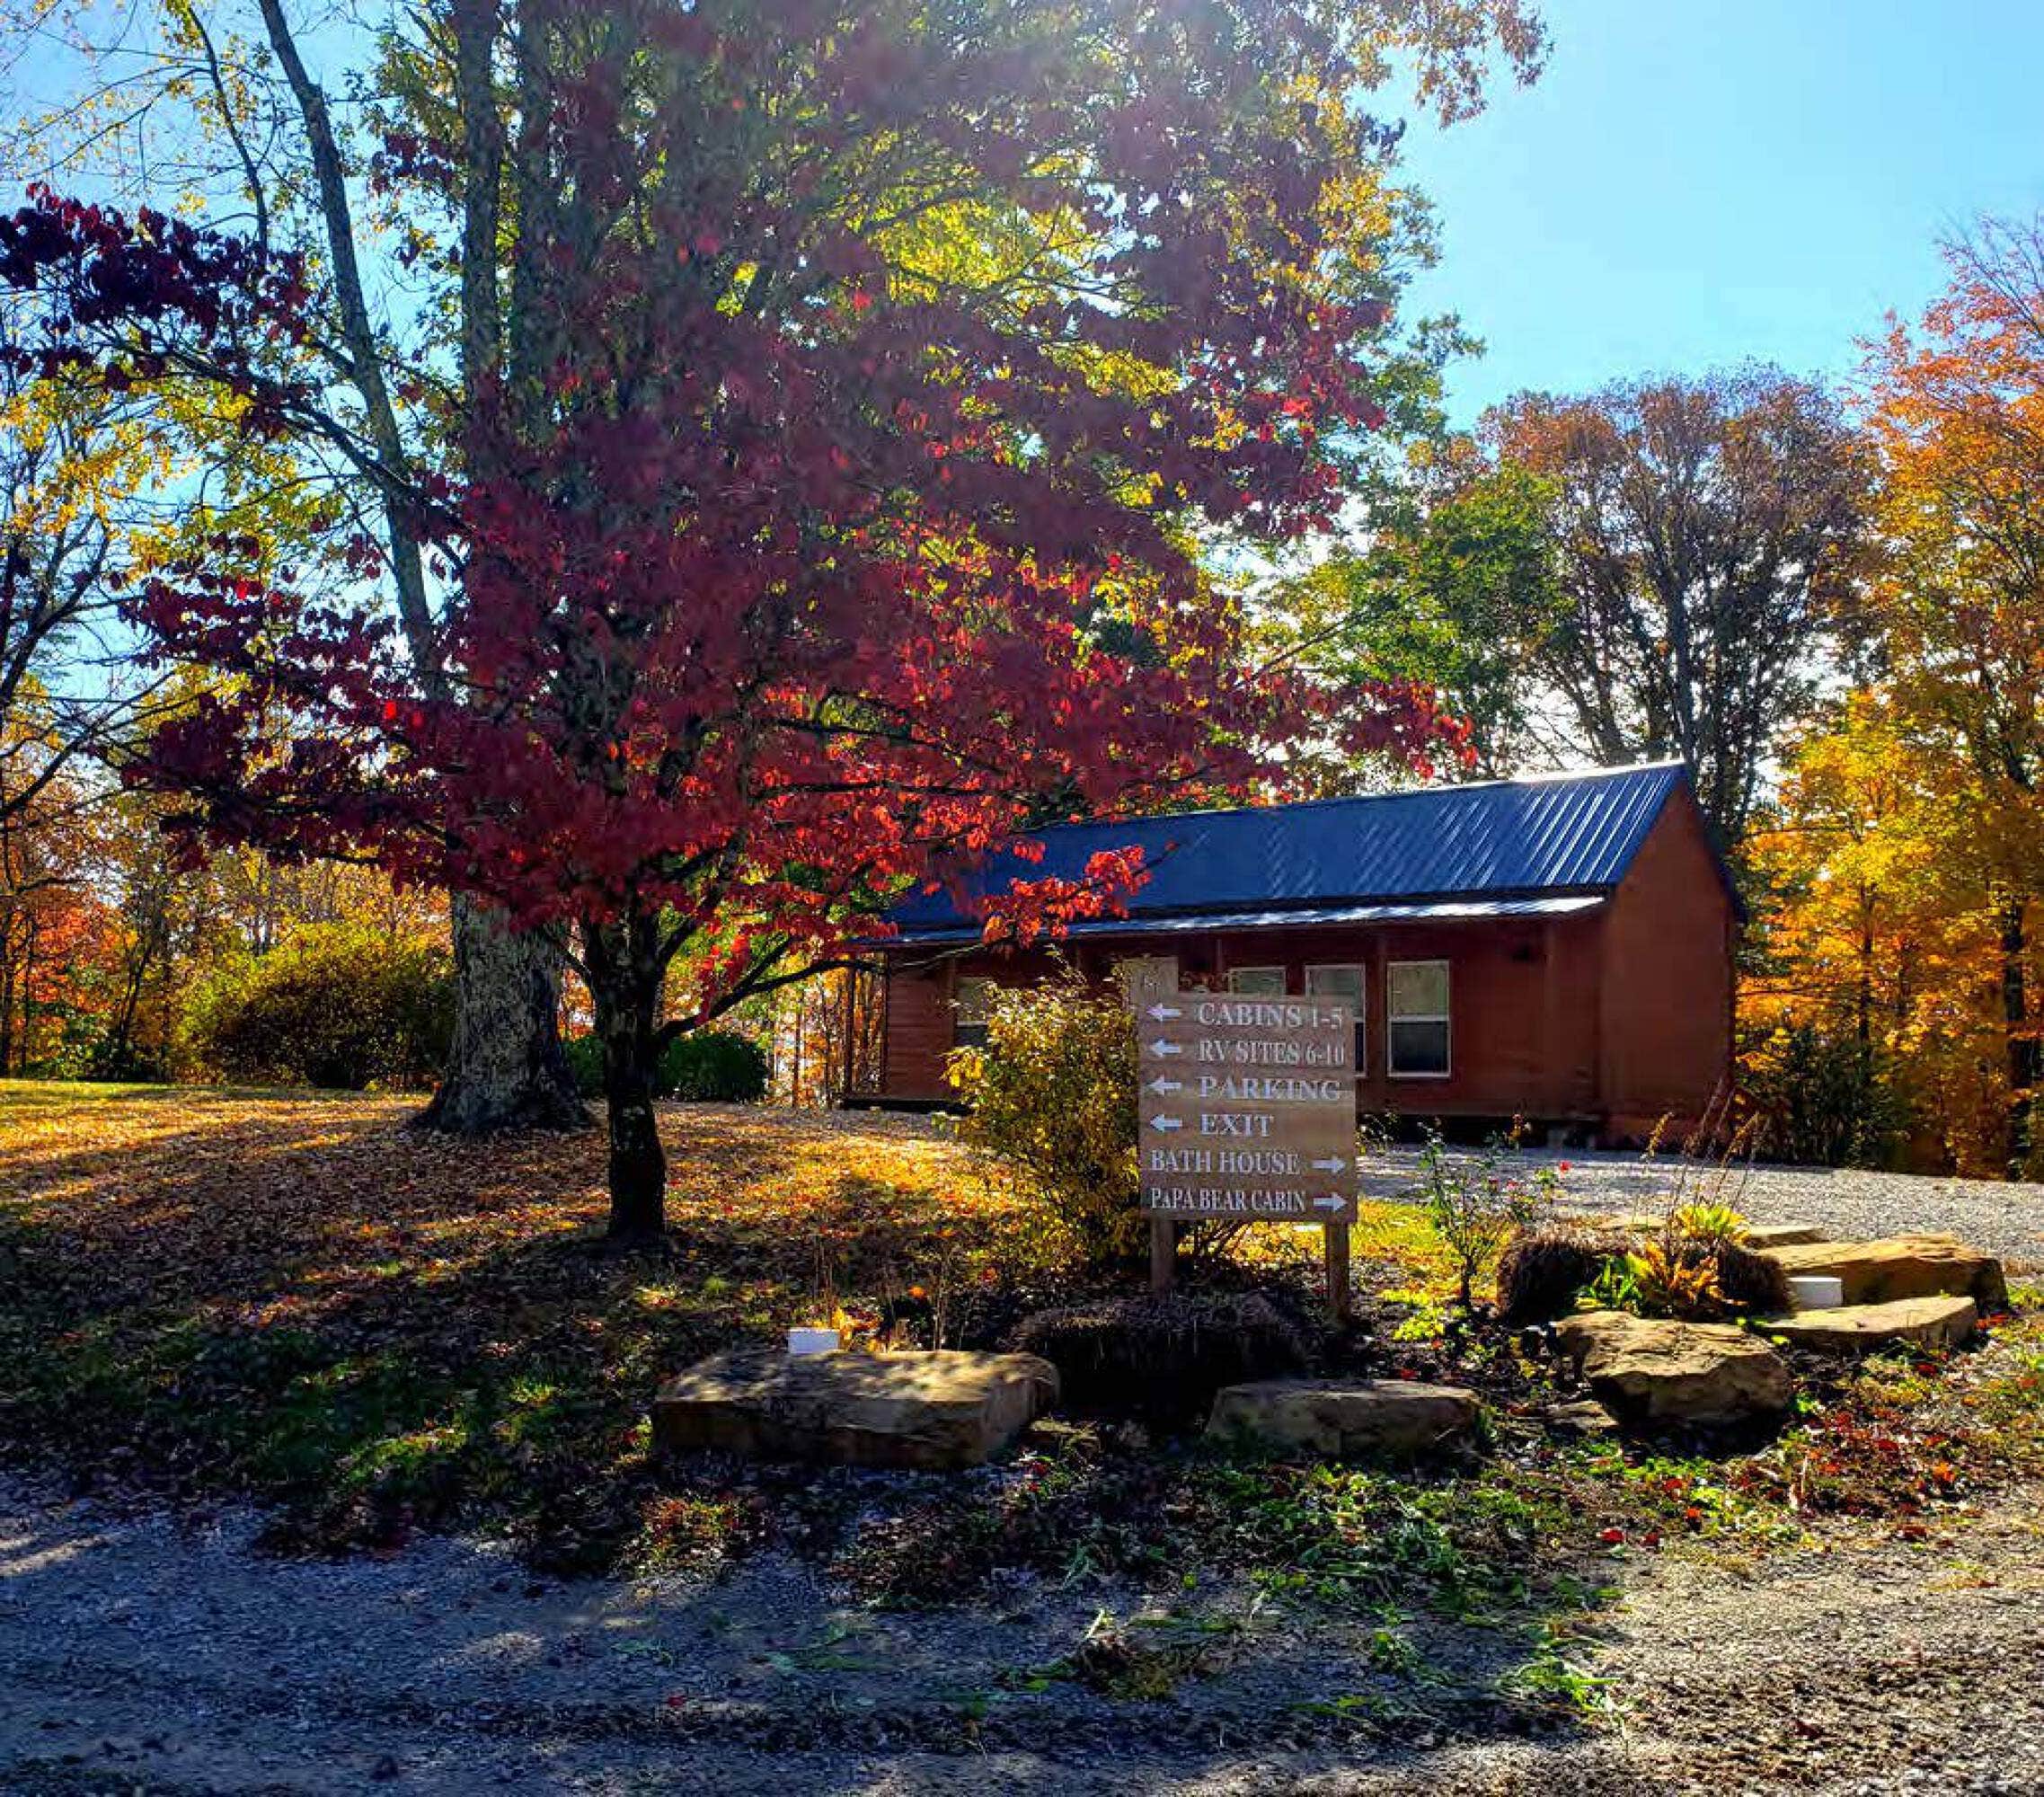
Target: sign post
[{"x": 1247, "y": 1112}]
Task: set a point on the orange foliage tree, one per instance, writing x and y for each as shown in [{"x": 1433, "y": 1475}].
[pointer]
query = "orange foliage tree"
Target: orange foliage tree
[
  {"x": 1958, "y": 421},
  {"x": 1907, "y": 856}
]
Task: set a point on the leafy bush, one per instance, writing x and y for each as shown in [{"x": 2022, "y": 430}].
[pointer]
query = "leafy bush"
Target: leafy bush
[
  {"x": 705, "y": 1065},
  {"x": 712, "y": 1065},
  {"x": 70, "y": 1042},
  {"x": 1162, "y": 1357},
  {"x": 1615, "y": 1287},
  {"x": 1698, "y": 1269},
  {"x": 585, "y": 1061},
  {"x": 1476, "y": 1203},
  {"x": 1829, "y": 1099},
  {"x": 332, "y": 1004},
  {"x": 1711, "y": 1224},
  {"x": 1543, "y": 1272},
  {"x": 1053, "y": 1095},
  {"x": 1677, "y": 1278}
]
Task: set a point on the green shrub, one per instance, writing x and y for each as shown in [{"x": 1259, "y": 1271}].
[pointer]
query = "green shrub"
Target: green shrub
[
  {"x": 1162, "y": 1358},
  {"x": 1697, "y": 1279},
  {"x": 70, "y": 1043},
  {"x": 705, "y": 1065},
  {"x": 1677, "y": 1279},
  {"x": 1542, "y": 1272},
  {"x": 1614, "y": 1287},
  {"x": 1829, "y": 1099},
  {"x": 585, "y": 1061},
  {"x": 716, "y": 1065},
  {"x": 1708, "y": 1223},
  {"x": 332, "y": 1004},
  {"x": 1053, "y": 1095}
]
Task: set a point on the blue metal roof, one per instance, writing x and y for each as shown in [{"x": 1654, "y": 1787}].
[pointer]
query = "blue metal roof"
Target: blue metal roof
[{"x": 1507, "y": 839}]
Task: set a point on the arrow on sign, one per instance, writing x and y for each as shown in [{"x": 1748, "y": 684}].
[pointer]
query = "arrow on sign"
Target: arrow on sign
[
  {"x": 1158, "y": 1013},
  {"x": 1160, "y": 1083},
  {"x": 1162, "y": 1048},
  {"x": 1334, "y": 1163},
  {"x": 1327, "y": 1204},
  {"x": 1167, "y": 1123}
]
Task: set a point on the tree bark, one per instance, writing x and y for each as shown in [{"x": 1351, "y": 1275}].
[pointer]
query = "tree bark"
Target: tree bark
[
  {"x": 506, "y": 1069},
  {"x": 638, "y": 1164},
  {"x": 7, "y": 984},
  {"x": 626, "y": 976}
]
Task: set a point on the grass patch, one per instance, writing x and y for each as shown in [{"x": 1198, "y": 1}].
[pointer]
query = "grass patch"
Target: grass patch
[{"x": 1481, "y": 1544}]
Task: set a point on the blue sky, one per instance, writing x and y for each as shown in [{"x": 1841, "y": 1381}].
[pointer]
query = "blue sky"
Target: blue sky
[{"x": 1694, "y": 184}]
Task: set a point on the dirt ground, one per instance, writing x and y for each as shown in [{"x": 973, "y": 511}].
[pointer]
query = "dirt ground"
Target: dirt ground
[{"x": 151, "y": 1655}]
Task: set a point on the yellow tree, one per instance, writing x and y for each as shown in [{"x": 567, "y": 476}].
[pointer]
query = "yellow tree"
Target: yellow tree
[
  {"x": 1871, "y": 1001},
  {"x": 1956, "y": 417}
]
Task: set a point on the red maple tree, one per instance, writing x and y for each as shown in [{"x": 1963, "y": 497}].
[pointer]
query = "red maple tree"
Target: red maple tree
[{"x": 821, "y": 553}]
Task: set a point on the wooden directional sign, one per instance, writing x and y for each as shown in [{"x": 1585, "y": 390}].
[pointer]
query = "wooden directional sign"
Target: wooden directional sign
[{"x": 1248, "y": 1106}]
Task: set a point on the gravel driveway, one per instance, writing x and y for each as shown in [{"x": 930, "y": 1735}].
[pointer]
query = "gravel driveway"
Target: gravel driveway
[
  {"x": 1843, "y": 1202},
  {"x": 144, "y": 1656}
]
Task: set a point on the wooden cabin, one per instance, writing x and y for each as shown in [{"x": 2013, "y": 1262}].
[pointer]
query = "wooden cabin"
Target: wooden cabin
[{"x": 1556, "y": 949}]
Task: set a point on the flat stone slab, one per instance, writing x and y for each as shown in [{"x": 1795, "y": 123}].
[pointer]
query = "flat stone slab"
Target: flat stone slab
[
  {"x": 1781, "y": 1234},
  {"x": 926, "y": 1411},
  {"x": 1345, "y": 1419},
  {"x": 1758, "y": 1234},
  {"x": 1935, "y": 1323},
  {"x": 1586, "y": 1417},
  {"x": 1902, "y": 1267},
  {"x": 1649, "y": 1371}
]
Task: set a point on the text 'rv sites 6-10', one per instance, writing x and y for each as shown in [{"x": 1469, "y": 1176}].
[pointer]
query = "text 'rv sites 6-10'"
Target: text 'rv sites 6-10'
[{"x": 1248, "y": 1106}]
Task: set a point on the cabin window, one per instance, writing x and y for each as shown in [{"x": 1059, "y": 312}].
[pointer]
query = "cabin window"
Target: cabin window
[
  {"x": 1147, "y": 976},
  {"x": 1344, "y": 984},
  {"x": 1416, "y": 1019},
  {"x": 1257, "y": 982},
  {"x": 971, "y": 1006}
]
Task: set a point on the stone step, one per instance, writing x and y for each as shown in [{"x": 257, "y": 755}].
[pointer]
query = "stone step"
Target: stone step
[
  {"x": 1344, "y": 1418},
  {"x": 1758, "y": 1234},
  {"x": 1652, "y": 1372},
  {"x": 1932, "y": 1322},
  {"x": 1902, "y": 1267},
  {"x": 1781, "y": 1234},
  {"x": 930, "y": 1412}
]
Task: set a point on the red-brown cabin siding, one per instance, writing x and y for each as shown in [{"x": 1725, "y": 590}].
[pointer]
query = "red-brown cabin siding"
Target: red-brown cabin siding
[{"x": 1599, "y": 1021}]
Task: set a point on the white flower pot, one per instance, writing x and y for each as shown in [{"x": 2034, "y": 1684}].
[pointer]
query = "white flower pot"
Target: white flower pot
[{"x": 1816, "y": 1291}]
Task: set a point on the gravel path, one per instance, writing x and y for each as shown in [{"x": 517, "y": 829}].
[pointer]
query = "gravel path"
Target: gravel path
[
  {"x": 1846, "y": 1202},
  {"x": 145, "y": 1656}
]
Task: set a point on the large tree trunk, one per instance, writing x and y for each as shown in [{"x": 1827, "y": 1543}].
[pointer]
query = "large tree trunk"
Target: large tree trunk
[
  {"x": 626, "y": 978},
  {"x": 506, "y": 1069},
  {"x": 638, "y": 1164}
]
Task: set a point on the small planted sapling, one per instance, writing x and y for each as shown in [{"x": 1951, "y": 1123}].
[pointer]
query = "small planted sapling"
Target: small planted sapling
[{"x": 1476, "y": 1203}]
